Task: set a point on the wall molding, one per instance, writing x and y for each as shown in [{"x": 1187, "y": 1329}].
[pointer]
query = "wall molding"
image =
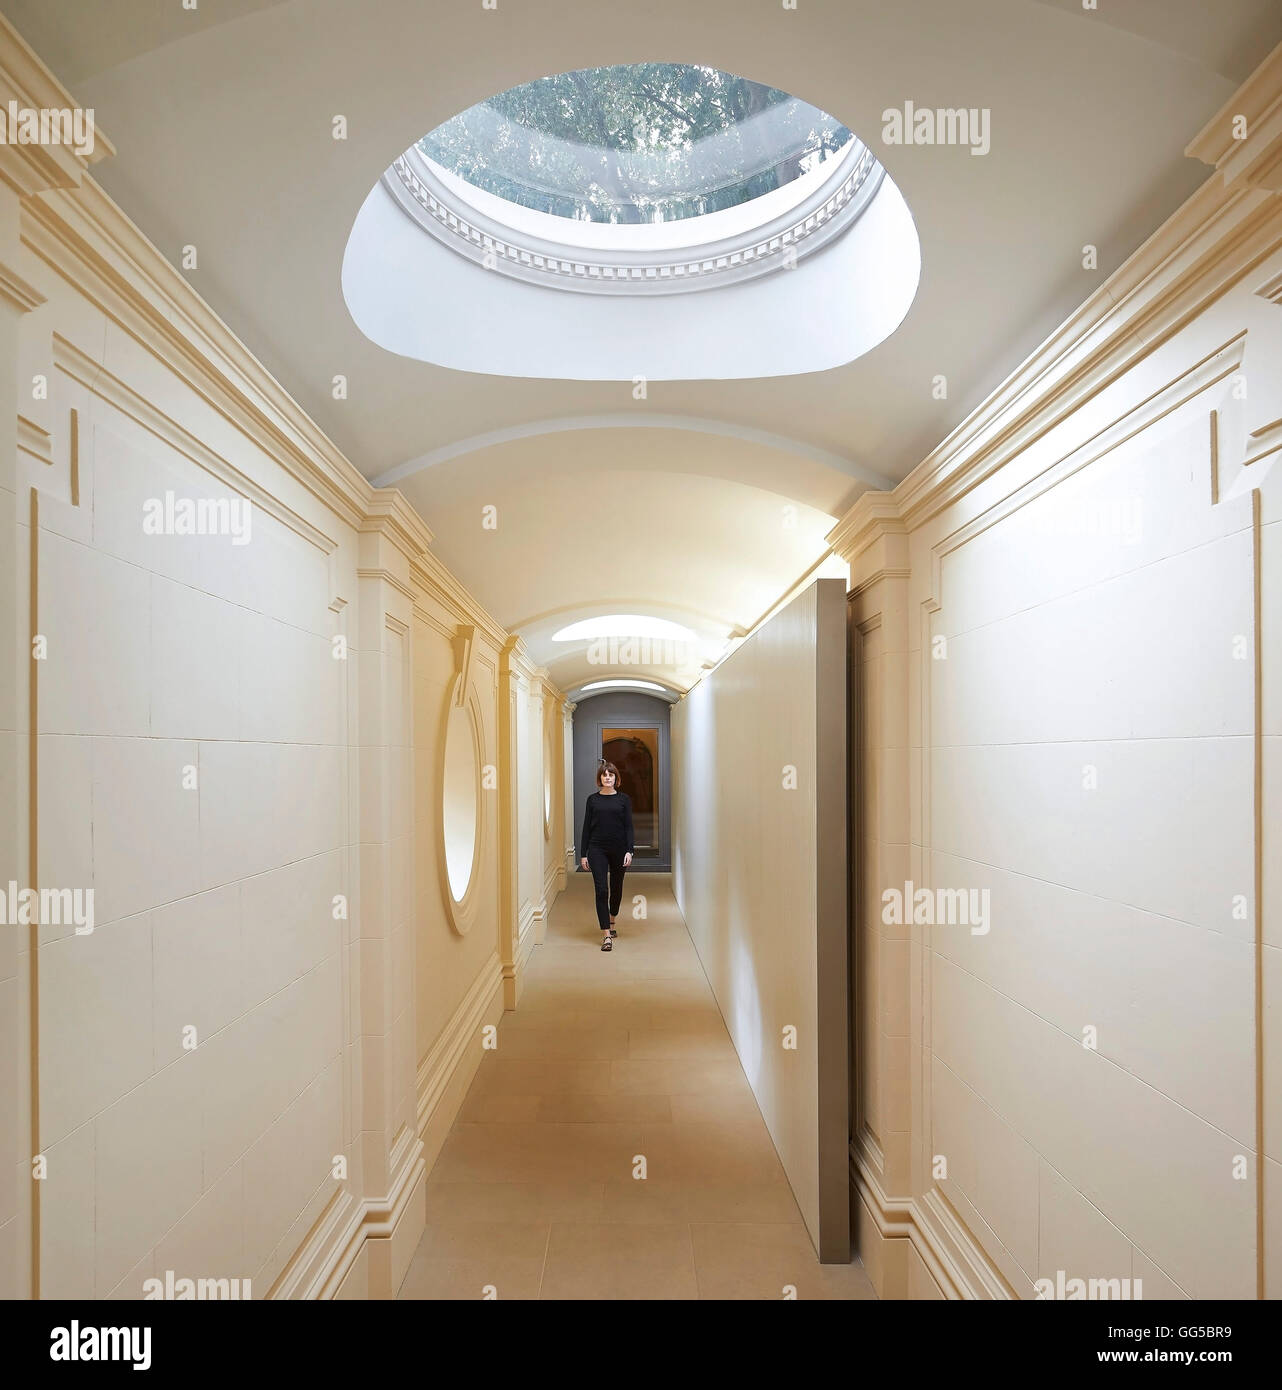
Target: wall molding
[
  {"x": 1226, "y": 229},
  {"x": 873, "y": 515},
  {"x": 17, "y": 292},
  {"x": 78, "y": 365},
  {"x": 29, "y": 169},
  {"x": 374, "y": 1218},
  {"x": 88, "y": 241},
  {"x": 1179, "y": 391},
  {"x": 436, "y": 581},
  {"x": 954, "y": 1249},
  {"x": 392, "y": 580},
  {"x": 448, "y": 1052},
  {"x": 952, "y": 1256},
  {"x": 524, "y": 927},
  {"x": 35, "y": 440},
  {"x": 1256, "y": 156}
]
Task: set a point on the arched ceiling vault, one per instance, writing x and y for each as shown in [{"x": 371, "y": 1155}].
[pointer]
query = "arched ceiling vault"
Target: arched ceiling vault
[{"x": 223, "y": 120}]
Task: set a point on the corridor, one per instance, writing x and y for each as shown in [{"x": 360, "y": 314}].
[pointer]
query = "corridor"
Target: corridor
[
  {"x": 485, "y": 450},
  {"x": 610, "y": 1057}
]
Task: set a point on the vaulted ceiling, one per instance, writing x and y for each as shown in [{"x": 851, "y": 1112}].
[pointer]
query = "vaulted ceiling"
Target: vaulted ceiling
[{"x": 222, "y": 117}]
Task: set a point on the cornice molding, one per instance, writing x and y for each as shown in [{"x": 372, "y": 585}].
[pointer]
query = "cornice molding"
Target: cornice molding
[
  {"x": 1220, "y": 234},
  {"x": 24, "y": 79},
  {"x": 78, "y": 365},
  {"x": 432, "y": 578},
  {"x": 515, "y": 659},
  {"x": 388, "y": 513},
  {"x": 1243, "y": 140},
  {"x": 874, "y": 514},
  {"x": 87, "y": 240}
]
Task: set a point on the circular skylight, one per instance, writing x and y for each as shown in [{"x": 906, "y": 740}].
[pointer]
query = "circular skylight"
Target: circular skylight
[{"x": 642, "y": 143}]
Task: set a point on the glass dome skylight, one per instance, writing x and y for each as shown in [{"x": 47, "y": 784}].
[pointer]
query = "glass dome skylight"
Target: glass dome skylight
[{"x": 635, "y": 144}]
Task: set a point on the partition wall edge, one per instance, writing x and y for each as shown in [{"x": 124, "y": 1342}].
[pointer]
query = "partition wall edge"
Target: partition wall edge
[{"x": 759, "y": 758}]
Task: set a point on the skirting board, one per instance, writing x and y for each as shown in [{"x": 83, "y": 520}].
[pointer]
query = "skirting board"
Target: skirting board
[
  {"x": 889, "y": 1231},
  {"x": 446, "y": 1072},
  {"x": 380, "y": 1234},
  {"x": 372, "y": 1241}
]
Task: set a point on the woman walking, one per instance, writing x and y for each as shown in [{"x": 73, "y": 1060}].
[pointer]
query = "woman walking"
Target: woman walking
[{"x": 606, "y": 846}]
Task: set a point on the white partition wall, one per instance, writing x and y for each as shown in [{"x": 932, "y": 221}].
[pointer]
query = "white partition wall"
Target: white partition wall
[{"x": 759, "y": 864}]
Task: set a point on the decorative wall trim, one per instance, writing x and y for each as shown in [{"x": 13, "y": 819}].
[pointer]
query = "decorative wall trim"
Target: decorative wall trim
[
  {"x": 525, "y": 921},
  {"x": 16, "y": 292},
  {"x": 1221, "y": 233},
  {"x": 388, "y": 512},
  {"x": 394, "y": 581},
  {"x": 956, "y": 1262},
  {"x": 874, "y": 514},
  {"x": 447, "y": 1053},
  {"x": 29, "y": 169},
  {"x": 433, "y": 578},
  {"x": 870, "y": 581},
  {"x": 954, "y": 1247},
  {"x": 1189, "y": 384},
  {"x": 334, "y": 1239},
  {"x": 78, "y": 365},
  {"x": 35, "y": 440},
  {"x": 321, "y": 1276},
  {"x": 1263, "y": 442},
  {"x": 1256, "y": 155},
  {"x": 461, "y": 695}
]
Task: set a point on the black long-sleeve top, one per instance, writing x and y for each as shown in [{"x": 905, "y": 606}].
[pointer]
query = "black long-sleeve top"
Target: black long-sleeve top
[{"x": 607, "y": 823}]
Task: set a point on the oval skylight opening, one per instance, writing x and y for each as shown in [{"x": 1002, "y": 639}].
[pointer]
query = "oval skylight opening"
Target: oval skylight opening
[
  {"x": 635, "y": 143},
  {"x": 706, "y": 226}
]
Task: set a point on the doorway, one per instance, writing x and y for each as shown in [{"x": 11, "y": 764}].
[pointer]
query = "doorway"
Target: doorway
[
  {"x": 629, "y": 729},
  {"x": 635, "y": 752}
]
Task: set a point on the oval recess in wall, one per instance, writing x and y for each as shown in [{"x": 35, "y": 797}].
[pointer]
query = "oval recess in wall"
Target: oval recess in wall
[{"x": 462, "y": 823}]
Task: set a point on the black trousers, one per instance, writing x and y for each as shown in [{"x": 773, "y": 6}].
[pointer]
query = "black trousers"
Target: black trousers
[{"x": 606, "y": 863}]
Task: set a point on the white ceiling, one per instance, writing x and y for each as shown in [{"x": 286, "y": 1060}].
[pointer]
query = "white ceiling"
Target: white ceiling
[{"x": 222, "y": 121}]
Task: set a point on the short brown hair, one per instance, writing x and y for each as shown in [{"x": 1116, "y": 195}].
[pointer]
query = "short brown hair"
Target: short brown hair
[{"x": 603, "y": 766}]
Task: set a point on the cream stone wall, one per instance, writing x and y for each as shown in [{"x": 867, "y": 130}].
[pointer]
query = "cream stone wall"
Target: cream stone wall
[
  {"x": 758, "y": 759},
  {"x": 457, "y": 949},
  {"x": 1065, "y": 628},
  {"x": 245, "y": 1068}
]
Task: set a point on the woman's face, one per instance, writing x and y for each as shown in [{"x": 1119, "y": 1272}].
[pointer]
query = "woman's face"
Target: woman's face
[{"x": 607, "y": 780}]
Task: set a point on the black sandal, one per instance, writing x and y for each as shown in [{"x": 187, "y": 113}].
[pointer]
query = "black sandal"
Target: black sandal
[{"x": 607, "y": 944}]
